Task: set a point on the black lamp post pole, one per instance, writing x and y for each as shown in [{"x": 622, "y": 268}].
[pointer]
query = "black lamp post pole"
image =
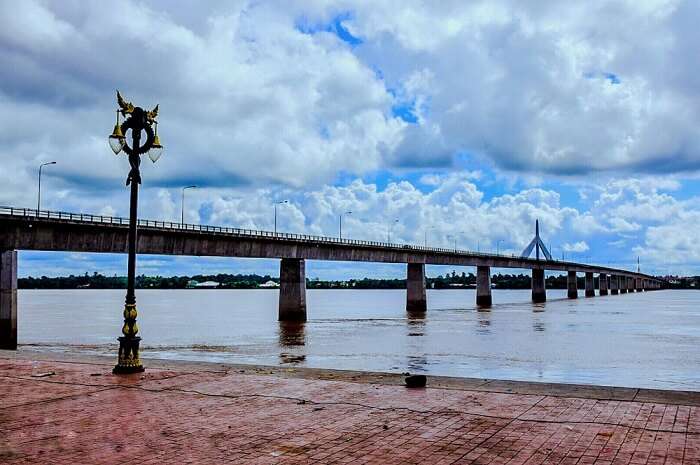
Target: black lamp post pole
[
  {"x": 129, "y": 360},
  {"x": 133, "y": 218}
]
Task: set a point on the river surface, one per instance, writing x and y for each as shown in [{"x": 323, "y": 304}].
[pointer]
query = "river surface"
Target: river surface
[{"x": 649, "y": 339}]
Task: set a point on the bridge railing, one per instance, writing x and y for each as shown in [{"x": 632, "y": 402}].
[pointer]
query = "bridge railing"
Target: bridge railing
[
  {"x": 252, "y": 233},
  {"x": 249, "y": 233}
]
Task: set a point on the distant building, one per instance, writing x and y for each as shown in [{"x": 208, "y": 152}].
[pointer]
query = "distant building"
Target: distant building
[
  {"x": 207, "y": 285},
  {"x": 191, "y": 284},
  {"x": 269, "y": 284}
]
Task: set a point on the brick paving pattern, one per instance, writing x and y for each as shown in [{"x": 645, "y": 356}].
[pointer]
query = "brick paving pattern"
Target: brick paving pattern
[{"x": 75, "y": 413}]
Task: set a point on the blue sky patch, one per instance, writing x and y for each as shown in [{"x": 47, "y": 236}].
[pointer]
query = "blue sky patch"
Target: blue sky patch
[
  {"x": 334, "y": 26},
  {"x": 611, "y": 77},
  {"x": 405, "y": 111}
]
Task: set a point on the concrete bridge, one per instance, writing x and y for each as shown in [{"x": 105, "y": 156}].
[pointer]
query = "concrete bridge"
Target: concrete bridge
[{"x": 27, "y": 229}]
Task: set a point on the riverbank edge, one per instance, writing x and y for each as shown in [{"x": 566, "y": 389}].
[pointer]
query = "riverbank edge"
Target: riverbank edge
[{"x": 584, "y": 391}]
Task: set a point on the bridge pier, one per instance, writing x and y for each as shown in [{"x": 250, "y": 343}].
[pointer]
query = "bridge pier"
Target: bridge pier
[
  {"x": 8, "y": 300},
  {"x": 603, "y": 283},
  {"x": 622, "y": 281},
  {"x": 614, "y": 284},
  {"x": 483, "y": 286},
  {"x": 292, "y": 303},
  {"x": 539, "y": 294},
  {"x": 590, "y": 287},
  {"x": 571, "y": 285},
  {"x": 638, "y": 285},
  {"x": 630, "y": 284},
  {"x": 416, "y": 300}
]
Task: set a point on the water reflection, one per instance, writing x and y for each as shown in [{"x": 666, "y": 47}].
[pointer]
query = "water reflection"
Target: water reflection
[
  {"x": 292, "y": 335},
  {"x": 416, "y": 327},
  {"x": 416, "y": 363},
  {"x": 416, "y": 323},
  {"x": 537, "y": 323},
  {"x": 484, "y": 321}
]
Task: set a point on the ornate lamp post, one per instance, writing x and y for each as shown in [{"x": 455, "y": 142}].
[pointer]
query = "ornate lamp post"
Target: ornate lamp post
[{"x": 137, "y": 121}]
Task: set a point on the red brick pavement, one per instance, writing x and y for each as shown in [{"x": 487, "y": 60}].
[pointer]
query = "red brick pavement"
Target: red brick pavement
[{"x": 82, "y": 414}]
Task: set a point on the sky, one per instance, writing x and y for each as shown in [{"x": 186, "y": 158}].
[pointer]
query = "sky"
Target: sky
[{"x": 462, "y": 122}]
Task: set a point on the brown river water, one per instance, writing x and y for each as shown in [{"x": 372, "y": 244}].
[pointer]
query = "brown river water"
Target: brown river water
[{"x": 639, "y": 340}]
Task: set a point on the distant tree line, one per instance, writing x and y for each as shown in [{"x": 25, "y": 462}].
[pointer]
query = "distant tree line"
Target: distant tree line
[
  {"x": 99, "y": 281},
  {"x": 253, "y": 281}
]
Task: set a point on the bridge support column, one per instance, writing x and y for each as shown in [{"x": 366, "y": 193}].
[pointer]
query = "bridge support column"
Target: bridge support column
[
  {"x": 483, "y": 286},
  {"x": 571, "y": 285},
  {"x": 622, "y": 280},
  {"x": 292, "y": 304},
  {"x": 614, "y": 284},
  {"x": 630, "y": 284},
  {"x": 539, "y": 294},
  {"x": 8, "y": 300},
  {"x": 590, "y": 287},
  {"x": 638, "y": 285},
  {"x": 416, "y": 300},
  {"x": 603, "y": 283}
]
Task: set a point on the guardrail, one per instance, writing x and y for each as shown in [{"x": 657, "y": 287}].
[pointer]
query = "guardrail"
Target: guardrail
[{"x": 104, "y": 219}]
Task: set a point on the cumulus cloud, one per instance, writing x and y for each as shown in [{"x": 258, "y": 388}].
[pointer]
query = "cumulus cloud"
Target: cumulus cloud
[
  {"x": 453, "y": 210},
  {"x": 673, "y": 246},
  {"x": 244, "y": 96},
  {"x": 545, "y": 86},
  {"x": 309, "y": 101},
  {"x": 579, "y": 246}
]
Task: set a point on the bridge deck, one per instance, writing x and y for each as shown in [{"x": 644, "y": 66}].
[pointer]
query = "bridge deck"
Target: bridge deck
[{"x": 28, "y": 229}]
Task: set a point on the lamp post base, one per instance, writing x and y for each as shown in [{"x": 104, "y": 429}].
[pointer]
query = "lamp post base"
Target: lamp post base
[{"x": 129, "y": 361}]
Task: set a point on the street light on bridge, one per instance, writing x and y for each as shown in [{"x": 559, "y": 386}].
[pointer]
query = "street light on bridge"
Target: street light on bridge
[
  {"x": 278, "y": 203},
  {"x": 38, "y": 197},
  {"x": 425, "y": 235},
  {"x": 182, "y": 212},
  {"x": 340, "y": 223},
  {"x": 388, "y": 230},
  {"x": 137, "y": 121},
  {"x": 455, "y": 237}
]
